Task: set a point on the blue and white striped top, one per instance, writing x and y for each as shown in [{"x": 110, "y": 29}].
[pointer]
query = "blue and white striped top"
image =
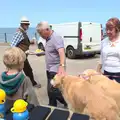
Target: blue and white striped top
[
  {"x": 17, "y": 38},
  {"x": 110, "y": 55}
]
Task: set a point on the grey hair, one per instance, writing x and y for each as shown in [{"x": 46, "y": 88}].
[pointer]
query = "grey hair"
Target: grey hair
[{"x": 43, "y": 25}]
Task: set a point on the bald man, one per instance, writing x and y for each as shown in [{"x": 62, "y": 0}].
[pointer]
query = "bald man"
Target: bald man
[{"x": 55, "y": 60}]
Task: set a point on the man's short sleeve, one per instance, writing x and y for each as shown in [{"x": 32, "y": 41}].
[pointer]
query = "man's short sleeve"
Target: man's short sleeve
[
  {"x": 17, "y": 38},
  {"x": 59, "y": 43}
]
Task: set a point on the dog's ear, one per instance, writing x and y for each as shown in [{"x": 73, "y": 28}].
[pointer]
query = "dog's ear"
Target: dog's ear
[{"x": 60, "y": 76}]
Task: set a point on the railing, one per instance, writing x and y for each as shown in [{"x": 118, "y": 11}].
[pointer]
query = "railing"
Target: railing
[
  {"x": 7, "y": 37},
  {"x": 4, "y": 37}
]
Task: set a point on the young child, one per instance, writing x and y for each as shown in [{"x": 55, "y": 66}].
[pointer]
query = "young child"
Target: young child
[{"x": 13, "y": 81}]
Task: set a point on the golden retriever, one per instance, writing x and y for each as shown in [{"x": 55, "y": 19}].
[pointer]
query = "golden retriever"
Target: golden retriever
[
  {"x": 111, "y": 87},
  {"x": 86, "y": 98}
]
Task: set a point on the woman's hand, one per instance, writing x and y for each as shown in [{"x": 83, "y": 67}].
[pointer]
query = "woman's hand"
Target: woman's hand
[
  {"x": 99, "y": 67},
  {"x": 40, "y": 54},
  {"x": 33, "y": 42}
]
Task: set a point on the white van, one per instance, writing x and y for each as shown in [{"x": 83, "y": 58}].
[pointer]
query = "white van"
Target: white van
[{"x": 80, "y": 38}]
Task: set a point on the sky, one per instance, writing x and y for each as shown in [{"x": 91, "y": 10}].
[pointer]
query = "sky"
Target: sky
[{"x": 57, "y": 11}]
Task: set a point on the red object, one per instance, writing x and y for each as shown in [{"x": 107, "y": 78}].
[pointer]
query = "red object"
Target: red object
[{"x": 80, "y": 34}]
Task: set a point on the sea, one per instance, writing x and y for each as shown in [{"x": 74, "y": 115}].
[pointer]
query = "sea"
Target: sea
[{"x": 6, "y": 34}]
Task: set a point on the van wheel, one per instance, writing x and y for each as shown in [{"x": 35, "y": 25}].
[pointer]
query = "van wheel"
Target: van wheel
[
  {"x": 40, "y": 46},
  {"x": 70, "y": 52}
]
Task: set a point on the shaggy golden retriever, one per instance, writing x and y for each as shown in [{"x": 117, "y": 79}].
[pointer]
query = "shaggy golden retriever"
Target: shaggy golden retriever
[
  {"x": 111, "y": 87},
  {"x": 86, "y": 98}
]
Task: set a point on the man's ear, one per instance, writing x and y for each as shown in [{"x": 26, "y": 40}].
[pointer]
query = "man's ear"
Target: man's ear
[{"x": 47, "y": 29}]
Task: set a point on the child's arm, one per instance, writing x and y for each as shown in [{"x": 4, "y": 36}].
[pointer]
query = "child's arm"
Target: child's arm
[{"x": 28, "y": 92}]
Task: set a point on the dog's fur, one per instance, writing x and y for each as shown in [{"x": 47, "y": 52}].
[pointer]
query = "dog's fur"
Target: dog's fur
[
  {"x": 83, "y": 97},
  {"x": 111, "y": 87}
]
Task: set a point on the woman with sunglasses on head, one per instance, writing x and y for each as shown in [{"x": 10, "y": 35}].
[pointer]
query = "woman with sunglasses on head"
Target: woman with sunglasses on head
[{"x": 110, "y": 51}]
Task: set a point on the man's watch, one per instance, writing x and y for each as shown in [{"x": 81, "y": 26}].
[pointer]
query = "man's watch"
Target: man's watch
[{"x": 62, "y": 65}]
